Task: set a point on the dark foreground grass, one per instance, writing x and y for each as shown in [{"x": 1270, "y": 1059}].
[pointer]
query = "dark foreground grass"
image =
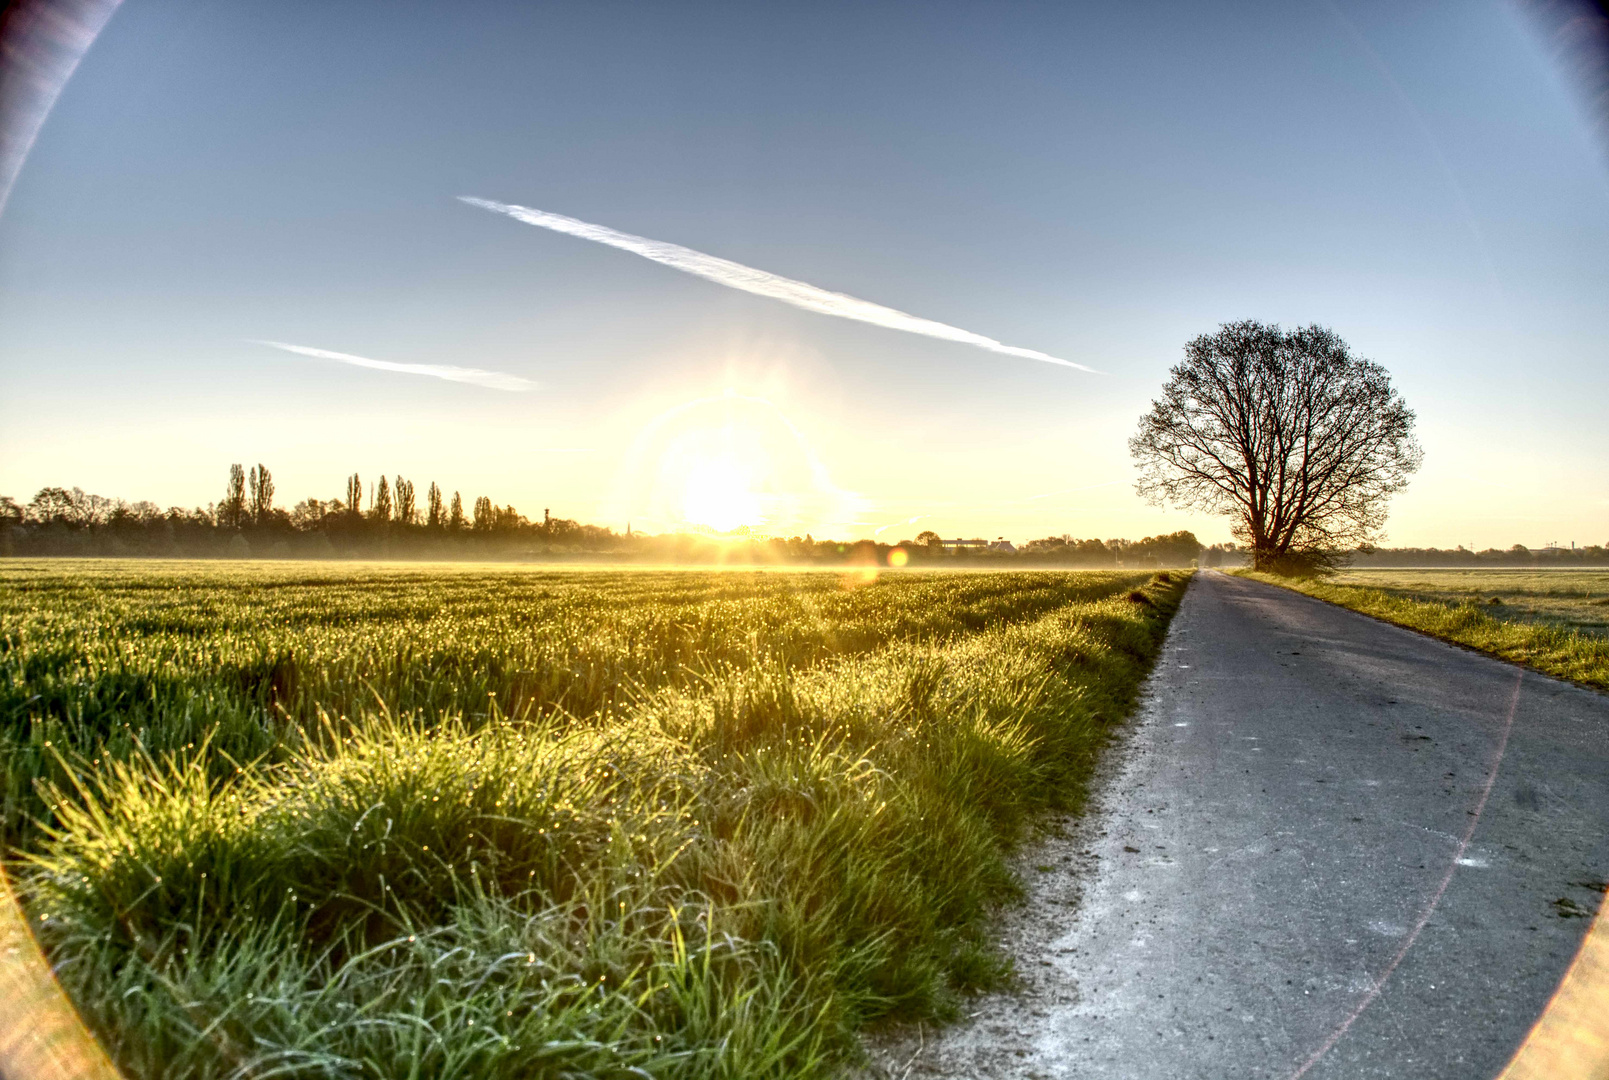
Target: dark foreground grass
[
  {"x": 505, "y": 824},
  {"x": 1547, "y": 621}
]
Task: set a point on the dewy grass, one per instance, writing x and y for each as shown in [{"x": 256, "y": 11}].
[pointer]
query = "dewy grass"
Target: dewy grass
[
  {"x": 721, "y": 867},
  {"x": 98, "y": 658},
  {"x": 1545, "y": 621}
]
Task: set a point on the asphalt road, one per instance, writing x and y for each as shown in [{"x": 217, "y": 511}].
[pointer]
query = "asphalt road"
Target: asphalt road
[{"x": 1332, "y": 848}]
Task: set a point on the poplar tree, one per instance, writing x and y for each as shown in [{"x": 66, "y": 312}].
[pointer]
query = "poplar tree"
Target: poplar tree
[
  {"x": 406, "y": 510},
  {"x": 382, "y": 501},
  {"x": 232, "y": 510},
  {"x": 433, "y": 515},
  {"x": 262, "y": 493}
]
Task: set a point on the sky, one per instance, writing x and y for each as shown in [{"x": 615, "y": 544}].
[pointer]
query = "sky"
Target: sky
[{"x": 1095, "y": 184}]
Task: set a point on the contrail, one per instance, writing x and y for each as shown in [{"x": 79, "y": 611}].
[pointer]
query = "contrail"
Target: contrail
[
  {"x": 760, "y": 282},
  {"x": 891, "y": 524},
  {"x": 494, "y": 380}
]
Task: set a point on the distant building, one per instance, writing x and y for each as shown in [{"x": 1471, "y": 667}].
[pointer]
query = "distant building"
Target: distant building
[{"x": 999, "y": 544}]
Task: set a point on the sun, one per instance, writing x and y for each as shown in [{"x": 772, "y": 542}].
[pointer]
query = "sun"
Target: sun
[
  {"x": 731, "y": 464},
  {"x": 720, "y": 493}
]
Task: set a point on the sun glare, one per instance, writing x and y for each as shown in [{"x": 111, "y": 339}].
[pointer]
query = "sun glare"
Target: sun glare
[
  {"x": 729, "y": 464},
  {"x": 720, "y": 494}
]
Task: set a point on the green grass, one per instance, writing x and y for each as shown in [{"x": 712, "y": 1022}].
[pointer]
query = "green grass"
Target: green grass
[
  {"x": 1554, "y": 621},
  {"x": 375, "y": 822}
]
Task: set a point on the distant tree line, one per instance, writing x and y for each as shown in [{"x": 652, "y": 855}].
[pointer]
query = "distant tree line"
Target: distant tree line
[
  {"x": 1519, "y": 556},
  {"x": 384, "y": 518},
  {"x": 378, "y": 520},
  {"x": 1173, "y": 549}
]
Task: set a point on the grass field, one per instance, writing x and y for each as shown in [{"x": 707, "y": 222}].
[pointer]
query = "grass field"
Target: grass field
[
  {"x": 1556, "y": 621},
  {"x": 314, "y": 820}
]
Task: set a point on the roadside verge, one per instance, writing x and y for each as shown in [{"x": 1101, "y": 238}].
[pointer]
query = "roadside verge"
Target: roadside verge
[{"x": 1563, "y": 654}]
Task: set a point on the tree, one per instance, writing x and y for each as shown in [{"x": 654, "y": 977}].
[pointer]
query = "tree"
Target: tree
[
  {"x": 232, "y": 510},
  {"x": 134, "y": 515},
  {"x": 1175, "y": 549},
  {"x": 354, "y": 494},
  {"x": 455, "y": 522},
  {"x": 53, "y": 504},
  {"x": 1298, "y": 440},
  {"x": 406, "y": 511},
  {"x": 508, "y": 519},
  {"x": 381, "y": 510},
  {"x": 262, "y": 493},
  {"x": 485, "y": 514},
  {"x": 433, "y": 515},
  {"x": 930, "y": 540},
  {"x": 309, "y": 513}
]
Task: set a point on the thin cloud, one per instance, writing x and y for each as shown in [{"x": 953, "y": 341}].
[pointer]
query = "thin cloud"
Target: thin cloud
[
  {"x": 492, "y": 380},
  {"x": 760, "y": 282}
]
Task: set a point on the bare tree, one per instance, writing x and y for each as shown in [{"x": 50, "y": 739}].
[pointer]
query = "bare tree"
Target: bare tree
[
  {"x": 51, "y": 504},
  {"x": 57, "y": 505},
  {"x": 134, "y": 515},
  {"x": 262, "y": 493},
  {"x": 1300, "y": 442},
  {"x": 232, "y": 510},
  {"x": 433, "y": 514},
  {"x": 77, "y": 508},
  {"x": 309, "y": 513}
]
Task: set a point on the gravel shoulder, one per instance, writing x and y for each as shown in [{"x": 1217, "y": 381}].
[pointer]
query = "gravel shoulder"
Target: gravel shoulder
[{"x": 1328, "y": 847}]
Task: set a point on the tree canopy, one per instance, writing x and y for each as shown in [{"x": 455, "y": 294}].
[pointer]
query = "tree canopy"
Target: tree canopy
[{"x": 1298, "y": 440}]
